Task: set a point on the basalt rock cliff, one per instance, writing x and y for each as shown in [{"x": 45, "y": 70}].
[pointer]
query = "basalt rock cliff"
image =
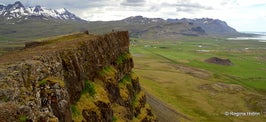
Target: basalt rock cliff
[{"x": 78, "y": 77}]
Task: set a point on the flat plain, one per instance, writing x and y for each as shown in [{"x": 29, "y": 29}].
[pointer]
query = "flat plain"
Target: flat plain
[{"x": 176, "y": 73}]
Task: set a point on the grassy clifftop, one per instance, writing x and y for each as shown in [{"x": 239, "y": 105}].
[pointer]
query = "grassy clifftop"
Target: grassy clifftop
[{"x": 78, "y": 77}]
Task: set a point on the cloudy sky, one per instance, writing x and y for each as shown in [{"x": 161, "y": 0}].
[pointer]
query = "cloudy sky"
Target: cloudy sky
[{"x": 243, "y": 15}]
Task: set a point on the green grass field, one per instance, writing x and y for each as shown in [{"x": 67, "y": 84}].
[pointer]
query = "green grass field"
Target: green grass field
[{"x": 175, "y": 72}]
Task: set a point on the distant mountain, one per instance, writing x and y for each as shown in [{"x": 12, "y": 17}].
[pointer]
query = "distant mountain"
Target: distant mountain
[
  {"x": 19, "y": 11},
  {"x": 211, "y": 26},
  {"x": 143, "y": 27},
  {"x": 22, "y": 23},
  {"x": 158, "y": 28},
  {"x": 142, "y": 20}
]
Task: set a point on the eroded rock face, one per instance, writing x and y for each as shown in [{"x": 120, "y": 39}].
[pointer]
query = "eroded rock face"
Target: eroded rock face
[{"x": 85, "y": 78}]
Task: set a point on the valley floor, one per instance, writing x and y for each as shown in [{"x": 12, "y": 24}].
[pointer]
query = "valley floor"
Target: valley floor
[{"x": 174, "y": 72}]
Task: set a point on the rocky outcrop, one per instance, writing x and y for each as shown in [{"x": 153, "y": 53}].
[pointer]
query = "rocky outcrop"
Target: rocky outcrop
[{"x": 77, "y": 77}]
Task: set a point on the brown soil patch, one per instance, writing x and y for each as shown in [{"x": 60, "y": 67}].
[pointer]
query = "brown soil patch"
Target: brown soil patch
[
  {"x": 222, "y": 87},
  {"x": 199, "y": 73},
  {"x": 219, "y": 61}
]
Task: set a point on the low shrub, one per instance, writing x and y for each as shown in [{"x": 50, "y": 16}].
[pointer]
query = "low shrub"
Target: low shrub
[{"x": 89, "y": 88}]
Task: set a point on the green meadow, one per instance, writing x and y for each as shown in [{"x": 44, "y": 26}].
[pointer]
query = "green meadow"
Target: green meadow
[{"x": 176, "y": 73}]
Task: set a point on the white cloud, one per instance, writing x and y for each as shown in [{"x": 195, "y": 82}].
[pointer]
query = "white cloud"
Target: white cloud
[{"x": 133, "y": 2}]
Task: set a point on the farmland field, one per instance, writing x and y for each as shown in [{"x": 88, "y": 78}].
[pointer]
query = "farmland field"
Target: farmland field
[{"x": 176, "y": 73}]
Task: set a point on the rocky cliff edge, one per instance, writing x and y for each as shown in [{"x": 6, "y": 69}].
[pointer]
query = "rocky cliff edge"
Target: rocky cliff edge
[{"x": 77, "y": 77}]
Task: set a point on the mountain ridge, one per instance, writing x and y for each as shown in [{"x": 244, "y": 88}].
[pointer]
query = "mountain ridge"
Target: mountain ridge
[
  {"x": 211, "y": 26},
  {"x": 158, "y": 28},
  {"x": 27, "y": 23},
  {"x": 19, "y": 11}
]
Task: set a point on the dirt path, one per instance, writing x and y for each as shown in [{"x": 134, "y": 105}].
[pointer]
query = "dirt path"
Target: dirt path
[{"x": 163, "y": 112}]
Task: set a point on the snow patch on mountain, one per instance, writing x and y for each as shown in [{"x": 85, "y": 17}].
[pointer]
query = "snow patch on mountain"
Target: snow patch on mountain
[
  {"x": 142, "y": 20},
  {"x": 61, "y": 10},
  {"x": 17, "y": 10}
]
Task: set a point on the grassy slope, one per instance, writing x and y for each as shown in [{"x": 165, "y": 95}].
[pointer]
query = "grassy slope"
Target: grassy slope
[
  {"x": 13, "y": 36},
  {"x": 175, "y": 72},
  {"x": 32, "y": 29},
  {"x": 37, "y": 28}
]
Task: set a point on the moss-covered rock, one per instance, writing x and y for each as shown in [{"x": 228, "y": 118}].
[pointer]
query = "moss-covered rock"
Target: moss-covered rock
[{"x": 77, "y": 77}]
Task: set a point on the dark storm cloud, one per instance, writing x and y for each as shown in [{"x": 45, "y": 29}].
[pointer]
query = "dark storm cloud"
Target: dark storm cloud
[{"x": 133, "y": 2}]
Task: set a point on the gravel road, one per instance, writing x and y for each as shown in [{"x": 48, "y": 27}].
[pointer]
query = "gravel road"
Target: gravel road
[{"x": 163, "y": 112}]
